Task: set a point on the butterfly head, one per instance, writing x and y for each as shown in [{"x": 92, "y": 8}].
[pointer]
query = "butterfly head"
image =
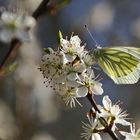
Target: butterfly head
[{"x": 95, "y": 53}]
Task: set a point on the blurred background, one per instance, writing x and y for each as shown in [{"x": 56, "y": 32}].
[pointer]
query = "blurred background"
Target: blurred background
[{"x": 29, "y": 110}]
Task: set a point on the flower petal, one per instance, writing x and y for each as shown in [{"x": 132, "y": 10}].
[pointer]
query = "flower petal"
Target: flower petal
[
  {"x": 72, "y": 76},
  {"x": 115, "y": 110},
  {"x": 82, "y": 91},
  {"x": 69, "y": 58},
  {"x": 104, "y": 113},
  {"x": 6, "y": 35},
  {"x": 107, "y": 103},
  {"x": 64, "y": 43},
  {"x": 72, "y": 83},
  {"x": 122, "y": 122},
  {"x": 128, "y": 136},
  {"x": 138, "y": 133},
  {"x": 96, "y": 136},
  {"x": 97, "y": 89},
  {"x": 75, "y": 40}
]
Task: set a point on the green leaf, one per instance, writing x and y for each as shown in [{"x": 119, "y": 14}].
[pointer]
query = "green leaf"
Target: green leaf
[{"x": 60, "y": 34}]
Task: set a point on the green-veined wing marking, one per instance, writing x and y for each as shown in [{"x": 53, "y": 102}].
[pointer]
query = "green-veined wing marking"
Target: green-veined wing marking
[{"x": 122, "y": 64}]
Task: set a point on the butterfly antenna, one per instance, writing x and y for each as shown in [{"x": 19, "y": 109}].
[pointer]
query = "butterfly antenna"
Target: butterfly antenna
[{"x": 96, "y": 44}]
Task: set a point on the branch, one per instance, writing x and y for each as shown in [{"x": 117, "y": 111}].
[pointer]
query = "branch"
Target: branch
[
  {"x": 42, "y": 8},
  {"x": 107, "y": 128},
  {"x": 16, "y": 43}
]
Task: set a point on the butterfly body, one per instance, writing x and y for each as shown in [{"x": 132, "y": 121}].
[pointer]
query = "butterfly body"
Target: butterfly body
[{"x": 122, "y": 64}]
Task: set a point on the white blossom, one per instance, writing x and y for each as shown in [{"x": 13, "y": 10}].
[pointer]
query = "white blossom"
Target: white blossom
[
  {"x": 88, "y": 84},
  {"x": 68, "y": 94},
  {"x": 133, "y": 134},
  {"x": 72, "y": 70},
  {"x": 15, "y": 25},
  {"x": 113, "y": 113},
  {"x": 91, "y": 129},
  {"x": 68, "y": 72},
  {"x": 71, "y": 49},
  {"x": 51, "y": 67}
]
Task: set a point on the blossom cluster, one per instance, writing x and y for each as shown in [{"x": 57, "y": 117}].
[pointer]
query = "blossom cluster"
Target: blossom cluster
[
  {"x": 15, "y": 25},
  {"x": 68, "y": 70},
  {"x": 109, "y": 117}
]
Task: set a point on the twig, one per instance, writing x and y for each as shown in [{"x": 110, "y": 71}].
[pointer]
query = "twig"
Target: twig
[
  {"x": 91, "y": 100},
  {"x": 107, "y": 129},
  {"x": 15, "y": 43},
  {"x": 42, "y": 8}
]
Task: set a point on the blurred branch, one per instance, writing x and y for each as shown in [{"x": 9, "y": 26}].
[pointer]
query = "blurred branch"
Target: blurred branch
[
  {"x": 16, "y": 43},
  {"x": 43, "y": 7}
]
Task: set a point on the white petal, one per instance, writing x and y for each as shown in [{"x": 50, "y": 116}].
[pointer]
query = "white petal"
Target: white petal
[
  {"x": 92, "y": 75},
  {"x": 64, "y": 43},
  {"x": 75, "y": 40},
  {"x": 115, "y": 110},
  {"x": 69, "y": 57},
  {"x": 80, "y": 67},
  {"x": 128, "y": 136},
  {"x": 96, "y": 136},
  {"x": 123, "y": 133},
  {"x": 28, "y": 21},
  {"x": 6, "y": 35},
  {"x": 72, "y": 76},
  {"x": 104, "y": 113},
  {"x": 97, "y": 89},
  {"x": 24, "y": 36},
  {"x": 8, "y": 17},
  {"x": 122, "y": 122},
  {"x": 82, "y": 91},
  {"x": 89, "y": 71},
  {"x": 72, "y": 83},
  {"x": 133, "y": 128},
  {"x": 138, "y": 132},
  {"x": 107, "y": 102}
]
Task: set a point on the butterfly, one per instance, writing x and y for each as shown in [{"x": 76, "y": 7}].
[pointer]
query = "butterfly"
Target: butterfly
[{"x": 120, "y": 63}]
